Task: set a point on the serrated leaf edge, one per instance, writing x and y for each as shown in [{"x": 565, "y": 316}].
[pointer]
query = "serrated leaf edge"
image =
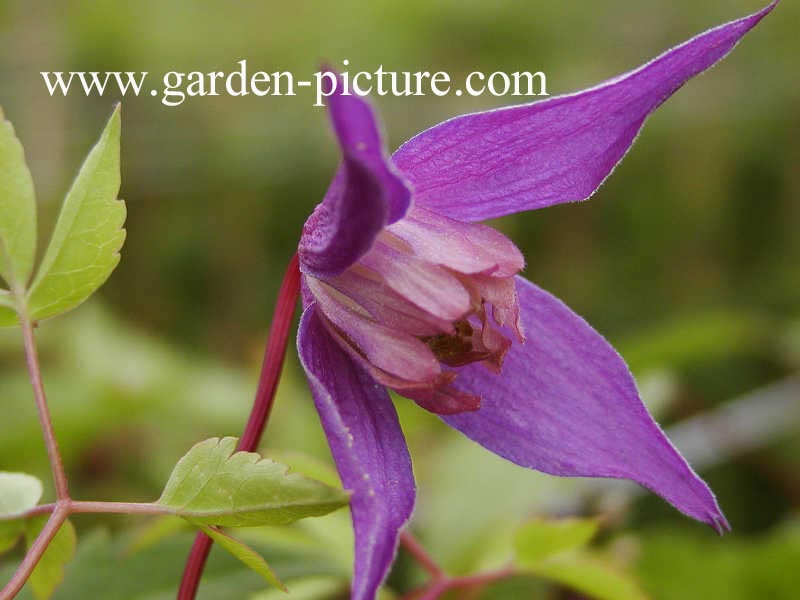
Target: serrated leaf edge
[{"x": 229, "y": 444}]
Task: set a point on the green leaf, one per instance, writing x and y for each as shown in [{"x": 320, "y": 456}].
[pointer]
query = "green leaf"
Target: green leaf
[
  {"x": 6, "y": 299},
  {"x": 49, "y": 571},
  {"x": 307, "y": 465},
  {"x": 540, "y": 539},
  {"x": 214, "y": 485},
  {"x": 739, "y": 567},
  {"x": 19, "y": 492},
  {"x": 591, "y": 577},
  {"x": 246, "y": 554},
  {"x": 545, "y": 548},
  {"x": 88, "y": 235},
  {"x": 9, "y": 533},
  {"x": 17, "y": 210},
  {"x": 8, "y": 311}
]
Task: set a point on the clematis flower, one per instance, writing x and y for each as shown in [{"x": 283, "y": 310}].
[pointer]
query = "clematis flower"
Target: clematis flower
[{"x": 404, "y": 289}]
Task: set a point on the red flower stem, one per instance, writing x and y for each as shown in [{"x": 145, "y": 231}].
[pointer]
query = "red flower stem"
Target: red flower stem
[
  {"x": 273, "y": 357},
  {"x": 259, "y": 415},
  {"x": 415, "y": 549},
  {"x": 32, "y": 360}
]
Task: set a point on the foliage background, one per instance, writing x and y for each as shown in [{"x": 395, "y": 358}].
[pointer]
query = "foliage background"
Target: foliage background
[{"x": 688, "y": 260}]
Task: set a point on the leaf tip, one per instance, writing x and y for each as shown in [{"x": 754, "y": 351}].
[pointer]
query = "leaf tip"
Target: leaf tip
[
  {"x": 116, "y": 110},
  {"x": 114, "y": 124}
]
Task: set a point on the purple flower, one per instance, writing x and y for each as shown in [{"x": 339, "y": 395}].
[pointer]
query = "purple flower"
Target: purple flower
[{"x": 403, "y": 289}]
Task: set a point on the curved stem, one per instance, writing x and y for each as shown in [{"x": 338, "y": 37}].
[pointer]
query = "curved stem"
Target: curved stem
[
  {"x": 36, "y": 550},
  {"x": 259, "y": 415},
  {"x": 274, "y": 356},
  {"x": 441, "y": 582},
  {"x": 61, "y": 509},
  {"x": 32, "y": 360},
  {"x": 415, "y": 549}
]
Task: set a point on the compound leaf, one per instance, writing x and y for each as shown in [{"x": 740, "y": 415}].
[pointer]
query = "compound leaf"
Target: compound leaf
[{"x": 85, "y": 245}]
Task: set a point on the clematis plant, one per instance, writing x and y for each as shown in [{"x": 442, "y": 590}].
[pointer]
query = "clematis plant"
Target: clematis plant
[{"x": 403, "y": 289}]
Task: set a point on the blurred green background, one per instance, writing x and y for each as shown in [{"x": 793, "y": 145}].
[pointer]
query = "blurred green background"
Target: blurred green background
[{"x": 688, "y": 260}]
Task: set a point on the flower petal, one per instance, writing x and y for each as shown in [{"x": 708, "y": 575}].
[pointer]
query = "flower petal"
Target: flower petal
[
  {"x": 566, "y": 404},
  {"x": 428, "y": 286},
  {"x": 470, "y": 247},
  {"x": 390, "y": 350},
  {"x": 368, "y": 447},
  {"x": 366, "y": 194},
  {"x": 490, "y": 164},
  {"x": 386, "y": 306}
]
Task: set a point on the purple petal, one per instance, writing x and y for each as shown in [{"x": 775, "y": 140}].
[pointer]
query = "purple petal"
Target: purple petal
[
  {"x": 566, "y": 404},
  {"x": 365, "y": 195},
  {"x": 368, "y": 447},
  {"x": 490, "y": 164}
]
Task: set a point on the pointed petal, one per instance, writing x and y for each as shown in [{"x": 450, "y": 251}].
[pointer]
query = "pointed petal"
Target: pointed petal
[
  {"x": 566, "y": 404},
  {"x": 368, "y": 447},
  {"x": 489, "y": 164},
  {"x": 365, "y": 195}
]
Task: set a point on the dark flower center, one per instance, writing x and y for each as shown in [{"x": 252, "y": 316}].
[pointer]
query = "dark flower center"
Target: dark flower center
[{"x": 456, "y": 349}]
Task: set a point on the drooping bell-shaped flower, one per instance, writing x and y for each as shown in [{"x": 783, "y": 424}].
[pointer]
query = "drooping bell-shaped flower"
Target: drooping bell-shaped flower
[
  {"x": 430, "y": 293},
  {"x": 403, "y": 289}
]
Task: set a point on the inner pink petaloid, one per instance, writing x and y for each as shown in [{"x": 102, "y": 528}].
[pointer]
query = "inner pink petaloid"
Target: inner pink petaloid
[{"x": 431, "y": 295}]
